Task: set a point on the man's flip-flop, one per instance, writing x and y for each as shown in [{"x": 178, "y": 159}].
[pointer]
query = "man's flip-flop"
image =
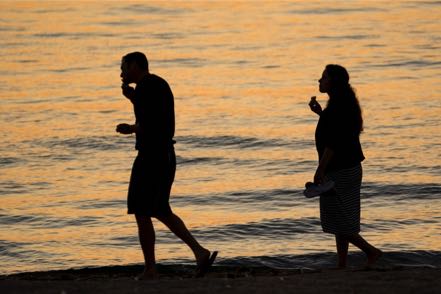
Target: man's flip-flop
[{"x": 203, "y": 268}]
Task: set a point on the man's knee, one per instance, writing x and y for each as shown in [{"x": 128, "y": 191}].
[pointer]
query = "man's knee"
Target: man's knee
[{"x": 165, "y": 218}]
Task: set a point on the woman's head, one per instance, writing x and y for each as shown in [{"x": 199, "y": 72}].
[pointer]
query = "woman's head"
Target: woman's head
[
  {"x": 342, "y": 97},
  {"x": 335, "y": 78}
]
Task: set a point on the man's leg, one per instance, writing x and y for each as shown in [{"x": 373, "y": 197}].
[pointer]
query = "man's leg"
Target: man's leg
[
  {"x": 177, "y": 226},
  {"x": 146, "y": 234}
]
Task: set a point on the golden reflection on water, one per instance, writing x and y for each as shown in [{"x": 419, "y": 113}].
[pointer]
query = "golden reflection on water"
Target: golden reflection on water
[{"x": 236, "y": 69}]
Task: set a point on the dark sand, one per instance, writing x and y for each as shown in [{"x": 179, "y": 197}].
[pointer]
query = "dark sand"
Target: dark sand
[{"x": 227, "y": 279}]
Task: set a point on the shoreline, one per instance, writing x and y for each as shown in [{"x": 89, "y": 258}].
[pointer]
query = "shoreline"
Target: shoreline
[{"x": 227, "y": 279}]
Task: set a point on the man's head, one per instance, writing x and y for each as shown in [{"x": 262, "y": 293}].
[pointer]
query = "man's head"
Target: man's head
[{"x": 133, "y": 67}]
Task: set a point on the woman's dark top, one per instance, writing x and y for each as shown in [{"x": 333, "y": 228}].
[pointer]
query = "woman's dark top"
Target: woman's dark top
[
  {"x": 154, "y": 111},
  {"x": 338, "y": 131}
]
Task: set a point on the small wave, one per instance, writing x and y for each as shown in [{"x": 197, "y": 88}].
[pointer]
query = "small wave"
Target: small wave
[
  {"x": 227, "y": 141},
  {"x": 68, "y": 70},
  {"x": 129, "y": 240},
  {"x": 263, "y": 230},
  {"x": 72, "y": 36},
  {"x": 329, "y": 10},
  {"x": 5, "y": 161},
  {"x": 27, "y": 61},
  {"x": 148, "y": 9},
  {"x": 119, "y": 203},
  {"x": 53, "y": 10},
  {"x": 278, "y": 166},
  {"x": 127, "y": 22},
  {"x": 191, "y": 62},
  {"x": 348, "y": 37},
  {"x": 402, "y": 191},
  {"x": 12, "y": 187},
  {"x": 270, "y": 199},
  {"x": 48, "y": 222},
  {"x": 270, "y": 66},
  {"x": 266, "y": 229},
  {"x": 409, "y": 63},
  {"x": 103, "y": 143},
  {"x": 88, "y": 221},
  {"x": 199, "y": 160},
  {"x": 7, "y": 219},
  {"x": 116, "y": 142},
  {"x": 12, "y": 29},
  {"x": 239, "y": 264},
  {"x": 393, "y": 259},
  {"x": 277, "y": 199},
  {"x": 422, "y": 3},
  {"x": 10, "y": 249},
  {"x": 174, "y": 36},
  {"x": 385, "y": 225}
]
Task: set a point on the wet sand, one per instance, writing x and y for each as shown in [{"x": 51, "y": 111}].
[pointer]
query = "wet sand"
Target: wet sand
[{"x": 227, "y": 279}]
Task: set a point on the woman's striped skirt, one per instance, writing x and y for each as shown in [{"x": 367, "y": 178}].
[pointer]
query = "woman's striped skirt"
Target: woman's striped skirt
[{"x": 340, "y": 209}]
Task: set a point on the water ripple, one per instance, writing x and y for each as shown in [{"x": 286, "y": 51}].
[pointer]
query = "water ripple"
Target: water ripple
[
  {"x": 265, "y": 229},
  {"x": 402, "y": 191},
  {"x": 48, "y": 222},
  {"x": 103, "y": 143},
  {"x": 5, "y": 161},
  {"x": 331, "y": 11},
  {"x": 275, "y": 199},
  {"x": 239, "y": 142}
]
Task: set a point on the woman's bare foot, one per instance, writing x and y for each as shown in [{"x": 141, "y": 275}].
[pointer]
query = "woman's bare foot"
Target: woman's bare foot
[
  {"x": 374, "y": 257},
  {"x": 148, "y": 274},
  {"x": 340, "y": 267}
]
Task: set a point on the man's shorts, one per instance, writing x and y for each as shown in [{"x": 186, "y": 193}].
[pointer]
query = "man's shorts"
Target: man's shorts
[{"x": 151, "y": 180}]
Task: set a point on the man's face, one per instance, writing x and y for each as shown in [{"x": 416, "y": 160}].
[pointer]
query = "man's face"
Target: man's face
[{"x": 127, "y": 72}]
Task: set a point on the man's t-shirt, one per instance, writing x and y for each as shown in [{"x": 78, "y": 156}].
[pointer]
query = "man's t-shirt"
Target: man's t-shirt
[{"x": 155, "y": 114}]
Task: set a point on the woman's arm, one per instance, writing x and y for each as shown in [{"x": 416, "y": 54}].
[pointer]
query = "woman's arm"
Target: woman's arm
[
  {"x": 319, "y": 176},
  {"x": 315, "y": 106}
]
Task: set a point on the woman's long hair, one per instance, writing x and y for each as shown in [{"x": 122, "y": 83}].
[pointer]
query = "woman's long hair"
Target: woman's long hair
[{"x": 342, "y": 98}]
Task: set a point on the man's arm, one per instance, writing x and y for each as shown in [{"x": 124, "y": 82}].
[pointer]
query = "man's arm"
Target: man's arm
[
  {"x": 127, "y": 129},
  {"x": 128, "y": 92}
]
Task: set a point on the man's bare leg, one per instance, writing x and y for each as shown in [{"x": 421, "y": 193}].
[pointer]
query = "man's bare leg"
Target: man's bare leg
[
  {"x": 177, "y": 226},
  {"x": 146, "y": 234}
]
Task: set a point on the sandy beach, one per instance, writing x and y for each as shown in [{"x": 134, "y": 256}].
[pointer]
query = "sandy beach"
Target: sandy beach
[{"x": 178, "y": 279}]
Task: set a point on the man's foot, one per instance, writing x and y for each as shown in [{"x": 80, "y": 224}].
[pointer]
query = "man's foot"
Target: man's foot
[
  {"x": 204, "y": 262},
  {"x": 374, "y": 257},
  {"x": 150, "y": 274}
]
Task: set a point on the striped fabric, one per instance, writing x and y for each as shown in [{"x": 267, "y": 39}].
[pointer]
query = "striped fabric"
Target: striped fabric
[{"x": 340, "y": 211}]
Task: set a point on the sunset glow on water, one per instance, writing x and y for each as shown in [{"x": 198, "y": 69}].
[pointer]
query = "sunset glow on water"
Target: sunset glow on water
[{"x": 242, "y": 74}]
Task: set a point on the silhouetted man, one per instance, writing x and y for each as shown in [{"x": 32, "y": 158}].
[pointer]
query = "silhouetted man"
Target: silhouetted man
[{"x": 154, "y": 168}]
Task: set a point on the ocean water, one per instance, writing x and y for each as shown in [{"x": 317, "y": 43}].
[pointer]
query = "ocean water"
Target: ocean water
[{"x": 242, "y": 74}]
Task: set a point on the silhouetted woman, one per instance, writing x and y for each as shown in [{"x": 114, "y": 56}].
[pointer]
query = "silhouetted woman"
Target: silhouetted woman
[{"x": 340, "y": 156}]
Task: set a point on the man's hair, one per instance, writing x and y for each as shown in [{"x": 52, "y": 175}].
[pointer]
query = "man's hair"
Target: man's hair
[{"x": 137, "y": 57}]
